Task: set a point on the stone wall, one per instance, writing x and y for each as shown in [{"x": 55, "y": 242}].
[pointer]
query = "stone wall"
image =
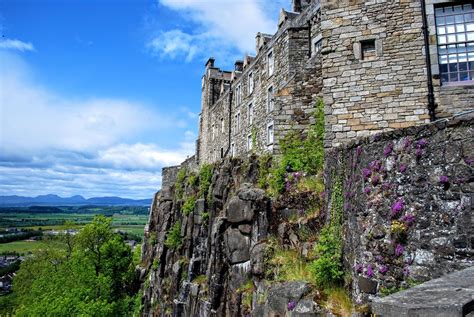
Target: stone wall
[
  {"x": 408, "y": 204},
  {"x": 296, "y": 83},
  {"x": 385, "y": 89}
]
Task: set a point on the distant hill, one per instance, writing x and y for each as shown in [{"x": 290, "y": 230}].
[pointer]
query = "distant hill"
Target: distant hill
[{"x": 55, "y": 200}]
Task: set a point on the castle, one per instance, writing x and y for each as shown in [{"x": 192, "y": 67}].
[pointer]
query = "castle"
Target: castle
[{"x": 378, "y": 65}]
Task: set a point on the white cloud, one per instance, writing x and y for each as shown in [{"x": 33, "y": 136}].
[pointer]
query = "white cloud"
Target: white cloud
[
  {"x": 16, "y": 45},
  {"x": 222, "y": 27},
  {"x": 51, "y": 143},
  {"x": 174, "y": 44}
]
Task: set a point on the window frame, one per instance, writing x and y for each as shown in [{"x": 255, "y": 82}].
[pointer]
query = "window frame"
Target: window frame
[
  {"x": 250, "y": 113},
  {"x": 456, "y": 53},
  {"x": 270, "y": 99},
  {"x": 251, "y": 83},
  {"x": 272, "y": 126},
  {"x": 270, "y": 63}
]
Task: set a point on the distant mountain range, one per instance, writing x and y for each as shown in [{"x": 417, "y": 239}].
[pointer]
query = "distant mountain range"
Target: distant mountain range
[{"x": 55, "y": 200}]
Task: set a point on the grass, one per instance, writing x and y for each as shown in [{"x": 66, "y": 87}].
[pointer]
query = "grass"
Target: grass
[
  {"x": 23, "y": 247},
  {"x": 338, "y": 301}
]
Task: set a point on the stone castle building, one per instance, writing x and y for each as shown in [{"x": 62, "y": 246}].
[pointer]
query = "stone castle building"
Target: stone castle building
[{"x": 378, "y": 65}]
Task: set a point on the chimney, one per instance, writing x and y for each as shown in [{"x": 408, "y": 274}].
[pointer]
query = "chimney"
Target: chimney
[
  {"x": 300, "y": 5},
  {"x": 239, "y": 66},
  {"x": 210, "y": 62}
]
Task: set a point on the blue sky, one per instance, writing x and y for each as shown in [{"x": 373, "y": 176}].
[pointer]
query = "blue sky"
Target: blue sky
[{"x": 97, "y": 96}]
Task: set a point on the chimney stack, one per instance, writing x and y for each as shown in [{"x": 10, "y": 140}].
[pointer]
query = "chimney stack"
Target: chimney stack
[
  {"x": 210, "y": 62},
  {"x": 239, "y": 66}
]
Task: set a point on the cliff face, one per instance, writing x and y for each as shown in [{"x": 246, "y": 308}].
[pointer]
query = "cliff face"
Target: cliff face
[{"x": 217, "y": 245}]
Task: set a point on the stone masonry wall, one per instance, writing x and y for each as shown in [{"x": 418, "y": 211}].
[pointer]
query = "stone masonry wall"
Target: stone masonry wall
[
  {"x": 383, "y": 90},
  {"x": 408, "y": 199}
]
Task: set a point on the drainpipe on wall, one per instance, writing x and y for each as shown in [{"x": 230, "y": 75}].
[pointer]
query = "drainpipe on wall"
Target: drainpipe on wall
[{"x": 431, "y": 99}]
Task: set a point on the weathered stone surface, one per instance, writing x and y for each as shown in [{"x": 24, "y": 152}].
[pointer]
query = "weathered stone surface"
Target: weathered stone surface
[
  {"x": 279, "y": 295},
  {"x": 257, "y": 259},
  {"x": 238, "y": 246},
  {"x": 239, "y": 210},
  {"x": 448, "y": 296},
  {"x": 367, "y": 285}
]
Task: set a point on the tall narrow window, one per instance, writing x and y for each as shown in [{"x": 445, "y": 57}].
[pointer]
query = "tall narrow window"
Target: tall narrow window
[
  {"x": 270, "y": 100},
  {"x": 318, "y": 47},
  {"x": 238, "y": 95},
  {"x": 251, "y": 83},
  {"x": 271, "y": 63},
  {"x": 455, "y": 33},
  {"x": 232, "y": 150},
  {"x": 249, "y": 142},
  {"x": 270, "y": 134},
  {"x": 213, "y": 132},
  {"x": 222, "y": 152},
  {"x": 250, "y": 114},
  {"x": 238, "y": 120},
  {"x": 222, "y": 126}
]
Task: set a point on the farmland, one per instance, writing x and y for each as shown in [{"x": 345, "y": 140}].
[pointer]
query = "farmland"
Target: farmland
[{"x": 17, "y": 221}]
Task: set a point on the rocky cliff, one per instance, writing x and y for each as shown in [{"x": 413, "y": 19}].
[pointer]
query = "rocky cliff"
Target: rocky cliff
[{"x": 218, "y": 245}]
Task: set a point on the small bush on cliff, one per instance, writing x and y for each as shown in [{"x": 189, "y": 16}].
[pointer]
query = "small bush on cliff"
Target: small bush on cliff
[
  {"x": 179, "y": 185},
  {"x": 328, "y": 268},
  {"x": 188, "y": 205},
  {"x": 173, "y": 237},
  {"x": 300, "y": 152},
  {"x": 205, "y": 178}
]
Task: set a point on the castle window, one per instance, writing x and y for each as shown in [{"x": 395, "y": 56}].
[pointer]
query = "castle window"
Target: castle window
[
  {"x": 222, "y": 126},
  {"x": 318, "y": 46},
  {"x": 238, "y": 95},
  {"x": 232, "y": 150},
  {"x": 222, "y": 152},
  {"x": 249, "y": 142},
  {"x": 270, "y": 99},
  {"x": 238, "y": 120},
  {"x": 368, "y": 49},
  {"x": 270, "y": 134},
  {"x": 455, "y": 34},
  {"x": 251, "y": 83},
  {"x": 271, "y": 63},
  {"x": 213, "y": 131},
  {"x": 250, "y": 114}
]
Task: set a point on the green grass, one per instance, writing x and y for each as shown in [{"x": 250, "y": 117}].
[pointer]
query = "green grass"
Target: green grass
[
  {"x": 23, "y": 247},
  {"x": 138, "y": 230}
]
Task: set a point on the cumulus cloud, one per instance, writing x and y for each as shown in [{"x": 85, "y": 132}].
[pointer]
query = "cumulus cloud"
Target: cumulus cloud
[
  {"x": 51, "y": 143},
  {"x": 17, "y": 45},
  {"x": 223, "y": 27}
]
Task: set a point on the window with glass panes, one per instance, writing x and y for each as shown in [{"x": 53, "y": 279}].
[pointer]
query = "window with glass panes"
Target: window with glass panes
[{"x": 455, "y": 32}]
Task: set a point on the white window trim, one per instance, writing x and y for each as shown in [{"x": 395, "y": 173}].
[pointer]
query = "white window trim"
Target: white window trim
[
  {"x": 249, "y": 142},
  {"x": 270, "y": 99},
  {"x": 250, "y": 113},
  {"x": 270, "y": 124},
  {"x": 271, "y": 70},
  {"x": 250, "y": 83}
]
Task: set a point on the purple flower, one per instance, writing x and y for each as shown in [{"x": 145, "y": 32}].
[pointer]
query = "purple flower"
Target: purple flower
[
  {"x": 374, "y": 179},
  {"x": 370, "y": 271},
  {"x": 359, "y": 150},
  {"x": 367, "y": 190},
  {"x": 406, "y": 143},
  {"x": 399, "y": 250},
  {"x": 421, "y": 143},
  {"x": 379, "y": 258},
  {"x": 383, "y": 269},
  {"x": 388, "y": 149},
  {"x": 359, "y": 268},
  {"x": 366, "y": 173},
  {"x": 469, "y": 161},
  {"x": 443, "y": 179},
  {"x": 375, "y": 165},
  {"x": 291, "y": 305},
  {"x": 406, "y": 271},
  {"x": 418, "y": 152},
  {"x": 386, "y": 186},
  {"x": 297, "y": 175},
  {"x": 408, "y": 219},
  {"x": 288, "y": 186},
  {"x": 397, "y": 207},
  {"x": 403, "y": 168}
]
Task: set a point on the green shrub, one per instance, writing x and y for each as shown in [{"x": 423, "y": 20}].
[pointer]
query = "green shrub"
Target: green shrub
[
  {"x": 192, "y": 179},
  {"x": 188, "y": 205},
  {"x": 173, "y": 237},
  {"x": 179, "y": 185},
  {"x": 205, "y": 178},
  {"x": 155, "y": 264},
  {"x": 205, "y": 217},
  {"x": 300, "y": 152}
]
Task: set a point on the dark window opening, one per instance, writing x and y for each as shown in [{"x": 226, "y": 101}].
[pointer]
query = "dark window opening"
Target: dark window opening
[
  {"x": 367, "y": 49},
  {"x": 222, "y": 152}
]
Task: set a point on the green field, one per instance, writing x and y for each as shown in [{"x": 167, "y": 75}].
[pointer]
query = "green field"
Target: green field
[
  {"x": 22, "y": 247},
  {"x": 130, "y": 223}
]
